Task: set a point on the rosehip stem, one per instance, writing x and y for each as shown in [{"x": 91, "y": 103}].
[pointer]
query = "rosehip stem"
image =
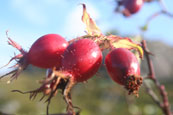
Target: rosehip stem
[
  {"x": 164, "y": 105},
  {"x": 67, "y": 96},
  {"x": 51, "y": 95}
]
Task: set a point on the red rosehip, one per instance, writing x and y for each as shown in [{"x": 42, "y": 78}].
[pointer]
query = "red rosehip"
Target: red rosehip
[
  {"x": 47, "y": 50},
  {"x": 82, "y": 59},
  {"x": 44, "y": 53},
  {"x": 123, "y": 67},
  {"x": 132, "y": 6}
]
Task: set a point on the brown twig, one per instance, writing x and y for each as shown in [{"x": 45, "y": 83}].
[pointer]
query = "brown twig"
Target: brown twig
[
  {"x": 153, "y": 16},
  {"x": 163, "y": 11},
  {"x": 152, "y": 94},
  {"x": 162, "y": 4},
  {"x": 164, "y": 105}
]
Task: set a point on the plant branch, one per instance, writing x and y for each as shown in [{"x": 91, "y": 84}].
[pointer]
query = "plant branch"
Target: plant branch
[
  {"x": 152, "y": 94},
  {"x": 162, "y": 4},
  {"x": 164, "y": 105},
  {"x": 153, "y": 16}
]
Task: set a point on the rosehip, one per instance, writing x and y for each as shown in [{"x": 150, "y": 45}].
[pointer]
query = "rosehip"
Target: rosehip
[
  {"x": 47, "y": 50},
  {"x": 44, "y": 53},
  {"x": 132, "y": 6},
  {"x": 123, "y": 67},
  {"x": 82, "y": 59}
]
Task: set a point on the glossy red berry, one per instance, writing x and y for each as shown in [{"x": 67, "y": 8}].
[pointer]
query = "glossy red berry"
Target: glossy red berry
[
  {"x": 82, "y": 59},
  {"x": 123, "y": 67},
  {"x": 44, "y": 53},
  {"x": 132, "y": 6},
  {"x": 47, "y": 50}
]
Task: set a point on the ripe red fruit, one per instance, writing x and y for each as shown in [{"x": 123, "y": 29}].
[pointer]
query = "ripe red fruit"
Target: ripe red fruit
[
  {"x": 123, "y": 67},
  {"x": 47, "y": 50},
  {"x": 132, "y": 6},
  {"x": 82, "y": 59},
  {"x": 44, "y": 53}
]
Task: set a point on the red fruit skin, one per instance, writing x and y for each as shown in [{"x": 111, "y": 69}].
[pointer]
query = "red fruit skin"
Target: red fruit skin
[
  {"x": 82, "y": 59},
  {"x": 47, "y": 50},
  {"x": 121, "y": 63},
  {"x": 133, "y": 6}
]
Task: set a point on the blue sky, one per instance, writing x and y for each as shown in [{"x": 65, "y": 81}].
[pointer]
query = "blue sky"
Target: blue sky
[{"x": 27, "y": 20}]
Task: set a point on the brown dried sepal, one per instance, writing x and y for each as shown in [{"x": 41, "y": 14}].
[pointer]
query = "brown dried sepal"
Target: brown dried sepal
[
  {"x": 20, "y": 59},
  {"x": 133, "y": 84}
]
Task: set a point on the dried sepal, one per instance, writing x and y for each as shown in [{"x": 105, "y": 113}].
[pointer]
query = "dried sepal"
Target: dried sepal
[
  {"x": 14, "y": 44},
  {"x": 126, "y": 43},
  {"x": 91, "y": 26},
  {"x": 92, "y": 37},
  {"x": 133, "y": 84},
  {"x": 20, "y": 59},
  {"x": 112, "y": 41}
]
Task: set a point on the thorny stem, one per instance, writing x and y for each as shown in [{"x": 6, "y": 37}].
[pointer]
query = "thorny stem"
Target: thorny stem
[
  {"x": 52, "y": 94},
  {"x": 49, "y": 100},
  {"x": 149, "y": 61},
  {"x": 67, "y": 96},
  {"x": 164, "y": 105}
]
